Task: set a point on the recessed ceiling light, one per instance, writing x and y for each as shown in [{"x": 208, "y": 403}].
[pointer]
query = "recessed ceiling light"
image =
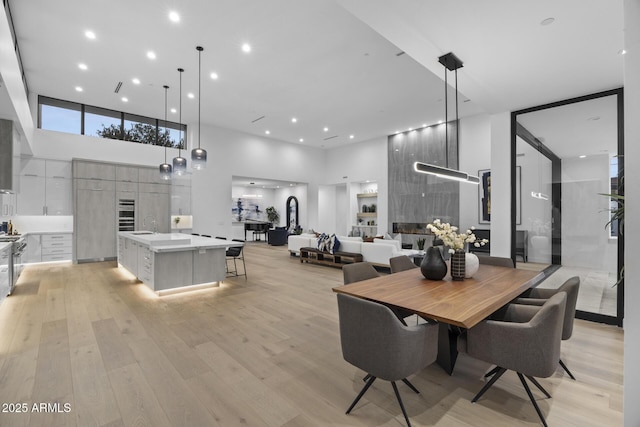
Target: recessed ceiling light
[
  {"x": 622, "y": 52},
  {"x": 440, "y": 122},
  {"x": 90, "y": 34},
  {"x": 396, "y": 132},
  {"x": 547, "y": 21},
  {"x": 301, "y": 140},
  {"x": 190, "y": 95},
  {"x": 151, "y": 55},
  {"x": 410, "y": 129},
  {"x": 173, "y": 110},
  {"x": 79, "y": 89},
  {"x": 174, "y": 17},
  {"x": 351, "y": 136},
  {"x": 214, "y": 75},
  {"x": 277, "y": 186},
  {"x": 83, "y": 66},
  {"x": 125, "y": 99},
  {"x": 246, "y": 47},
  {"x": 424, "y": 125},
  {"x": 294, "y": 120},
  {"x": 397, "y": 149},
  {"x": 582, "y": 156},
  {"x": 268, "y": 132},
  {"x": 326, "y": 129},
  {"x": 135, "y": 81}
]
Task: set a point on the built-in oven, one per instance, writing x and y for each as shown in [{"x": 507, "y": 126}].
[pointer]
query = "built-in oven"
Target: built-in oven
[{"x": 126, "y": 215}]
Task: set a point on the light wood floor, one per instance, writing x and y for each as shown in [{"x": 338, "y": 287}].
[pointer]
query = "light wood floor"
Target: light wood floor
[{"x": 260, "y": 352}]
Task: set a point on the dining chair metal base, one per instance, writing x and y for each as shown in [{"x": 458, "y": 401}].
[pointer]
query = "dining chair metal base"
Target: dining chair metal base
[
  {"x": 370, "y": 379},
  {"x": 567, "y": 370},
  {"x": 497, "y": 372}
]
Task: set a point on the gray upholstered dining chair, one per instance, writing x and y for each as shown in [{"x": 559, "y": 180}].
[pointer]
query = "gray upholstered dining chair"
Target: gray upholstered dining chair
[
  {"x": 537, "y": 296},
  {"x": 358, "y": 271},
  {"x": 526, "y": 340},
  {"x": 401, "y": 263},
  {"x": 374, "y": 340},
  {"x": 365, "y": 270},
  {"x": 495, "y": 260}
]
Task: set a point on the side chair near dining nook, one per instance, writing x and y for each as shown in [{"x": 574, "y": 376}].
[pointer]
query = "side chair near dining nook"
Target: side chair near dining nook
[
  {"x": 373, "y": 339},
  {"x": 401, "y": 263},
  {"x": 526, "y": 340}
]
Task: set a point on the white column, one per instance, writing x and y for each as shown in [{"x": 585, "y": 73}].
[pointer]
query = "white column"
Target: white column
[
  {"x": 501, "y": 185},
  {"x": 632, "y": 207}
]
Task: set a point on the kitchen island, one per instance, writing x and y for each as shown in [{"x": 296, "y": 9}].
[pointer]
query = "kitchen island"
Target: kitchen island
[{"x": 171, "y": 261}]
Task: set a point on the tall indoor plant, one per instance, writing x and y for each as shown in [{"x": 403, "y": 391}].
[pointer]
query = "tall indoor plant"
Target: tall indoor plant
[{"x": 273, "y": 216}]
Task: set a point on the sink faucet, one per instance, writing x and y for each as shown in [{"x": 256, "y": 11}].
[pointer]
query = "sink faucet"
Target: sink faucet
[{"x": 154, "y": 223}]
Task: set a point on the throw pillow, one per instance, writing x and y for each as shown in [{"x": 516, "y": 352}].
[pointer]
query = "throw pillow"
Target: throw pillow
[
  {"x": 334, "y": 244},
  {"x": 323, "y": 242}
]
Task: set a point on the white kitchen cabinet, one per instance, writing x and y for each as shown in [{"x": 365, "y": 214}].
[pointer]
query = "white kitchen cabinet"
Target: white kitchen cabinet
[
  {"x": 126, "y": 173},
  {"x": 7, "y": 205},
  {"x": 56, "y": 247},
  {"x": 46, "y": 188},
  {"x": 180, "y": 200},
  {"x": 150, "y": 175}
]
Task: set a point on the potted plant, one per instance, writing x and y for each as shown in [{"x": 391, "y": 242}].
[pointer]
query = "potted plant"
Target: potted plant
[
  {"x": 420, "y": 243},
  {"x": 273, "y": 216},
  {"x": 176, "y": 220}
]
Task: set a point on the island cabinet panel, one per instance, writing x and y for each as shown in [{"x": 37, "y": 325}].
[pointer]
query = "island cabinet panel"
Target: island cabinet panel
[
  {"x": 172, "y": 270},
  {"x": 208, "y": 265},
  {"x": 145, "y": 265}
]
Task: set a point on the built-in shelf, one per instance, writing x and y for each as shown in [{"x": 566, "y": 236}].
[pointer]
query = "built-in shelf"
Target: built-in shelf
[
  {"x": 362, "y": 195},
  {"x": 367, "y": 214},
  {"x": 364, "y": 226}
]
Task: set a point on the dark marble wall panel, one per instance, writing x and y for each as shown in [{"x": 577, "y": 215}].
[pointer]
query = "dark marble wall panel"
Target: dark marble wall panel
[{"x": 416, "y": 197}]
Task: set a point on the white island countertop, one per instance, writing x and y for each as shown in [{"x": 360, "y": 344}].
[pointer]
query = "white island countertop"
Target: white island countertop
[{"x": 173, "y": 242}]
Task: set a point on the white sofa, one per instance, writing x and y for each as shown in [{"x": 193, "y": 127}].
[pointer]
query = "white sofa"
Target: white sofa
[{"x": 377, "y": 252}]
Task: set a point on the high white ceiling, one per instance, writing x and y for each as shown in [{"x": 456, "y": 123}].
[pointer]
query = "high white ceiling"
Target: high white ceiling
[{"x": 326, "y": 63}]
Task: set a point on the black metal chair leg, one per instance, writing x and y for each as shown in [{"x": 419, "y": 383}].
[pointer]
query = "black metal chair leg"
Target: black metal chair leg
[
  {"x": 362, "y": 392},
  {"x": 366, "y": 377},
  {"x": 535, "y": 405},
  {"x": 404, "y": 412},
  {"x": 406, "y": 381},
  {"x": 537, "y": 384},
  {"x": 488, "y": 385},
  {"x": 491, "y": 372},
  {"x": 567, "y": 369}
]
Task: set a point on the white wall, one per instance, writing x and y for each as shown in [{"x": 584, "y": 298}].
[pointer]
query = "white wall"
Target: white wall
[
  {"x": 475, "y": 154},
  {"x": 233, "y": 153},
  {"x": 585, "y": 240},
  {"x": 299, "y": 191},
  {"x": 355, "y": 164},
  {"x": 632, "y": 221},
  {"x": 327, "y": 209}
]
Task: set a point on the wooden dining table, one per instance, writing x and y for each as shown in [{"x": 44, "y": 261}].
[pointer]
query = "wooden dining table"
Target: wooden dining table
[{"x": 460, "y": 304}]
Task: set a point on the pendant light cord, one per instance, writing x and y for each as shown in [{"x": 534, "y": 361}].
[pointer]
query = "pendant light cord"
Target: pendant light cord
[
  {"x": 180, "y": 70},
  {"x": 446, "y": 119},
  {"x": 200, "y": 49},
  {"x": 165, "y": 121}
]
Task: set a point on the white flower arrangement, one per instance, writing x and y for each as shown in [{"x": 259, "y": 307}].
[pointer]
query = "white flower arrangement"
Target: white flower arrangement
[{"x": 451, "y": 238}]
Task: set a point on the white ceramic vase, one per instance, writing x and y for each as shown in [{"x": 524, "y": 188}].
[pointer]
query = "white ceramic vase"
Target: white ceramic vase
[{"x": 472, "y": 264}]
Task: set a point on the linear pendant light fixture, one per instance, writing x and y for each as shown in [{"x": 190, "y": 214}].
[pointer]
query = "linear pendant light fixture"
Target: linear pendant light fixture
[
  {"x": 451, "y": 63},
  {"x": 199, "y": 155},
  {"x": 180, "y": 163},
  {"x": 165, "y": 168}
]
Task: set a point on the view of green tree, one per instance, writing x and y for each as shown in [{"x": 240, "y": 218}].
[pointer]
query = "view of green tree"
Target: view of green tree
[{"x": 139, "y": 132}]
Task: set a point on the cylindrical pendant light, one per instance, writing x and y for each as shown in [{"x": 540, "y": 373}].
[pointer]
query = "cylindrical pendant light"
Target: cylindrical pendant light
[
  {"x": 165, "y": 168},
  {"x": 199, "y": 155},
  {"x": 180, "y": 163}
]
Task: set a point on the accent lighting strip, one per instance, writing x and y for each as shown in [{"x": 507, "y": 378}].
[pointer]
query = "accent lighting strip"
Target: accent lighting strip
[{"x": 445, "y": 173}]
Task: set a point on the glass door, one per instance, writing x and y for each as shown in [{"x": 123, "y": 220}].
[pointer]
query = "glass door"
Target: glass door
[{"x": 568, "y": 156}]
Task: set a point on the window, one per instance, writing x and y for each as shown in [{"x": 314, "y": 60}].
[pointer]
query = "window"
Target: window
[
  {"x": 71, "y": 117},
  {"x": 61, "y": 116},
  {"x": 102, "y": 122}
]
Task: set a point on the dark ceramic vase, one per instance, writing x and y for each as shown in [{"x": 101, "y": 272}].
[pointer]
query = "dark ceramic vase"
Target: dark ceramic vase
[
  {"x": 458, "y": 265},
  {"x": 433, "y": 266}
]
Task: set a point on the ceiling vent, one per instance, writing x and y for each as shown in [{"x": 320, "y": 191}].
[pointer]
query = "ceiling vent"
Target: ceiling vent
[
  {"x": 331, "y": 137},
  {"x": 118, "y": 86},
  {"x": 259, "y": 118}
]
